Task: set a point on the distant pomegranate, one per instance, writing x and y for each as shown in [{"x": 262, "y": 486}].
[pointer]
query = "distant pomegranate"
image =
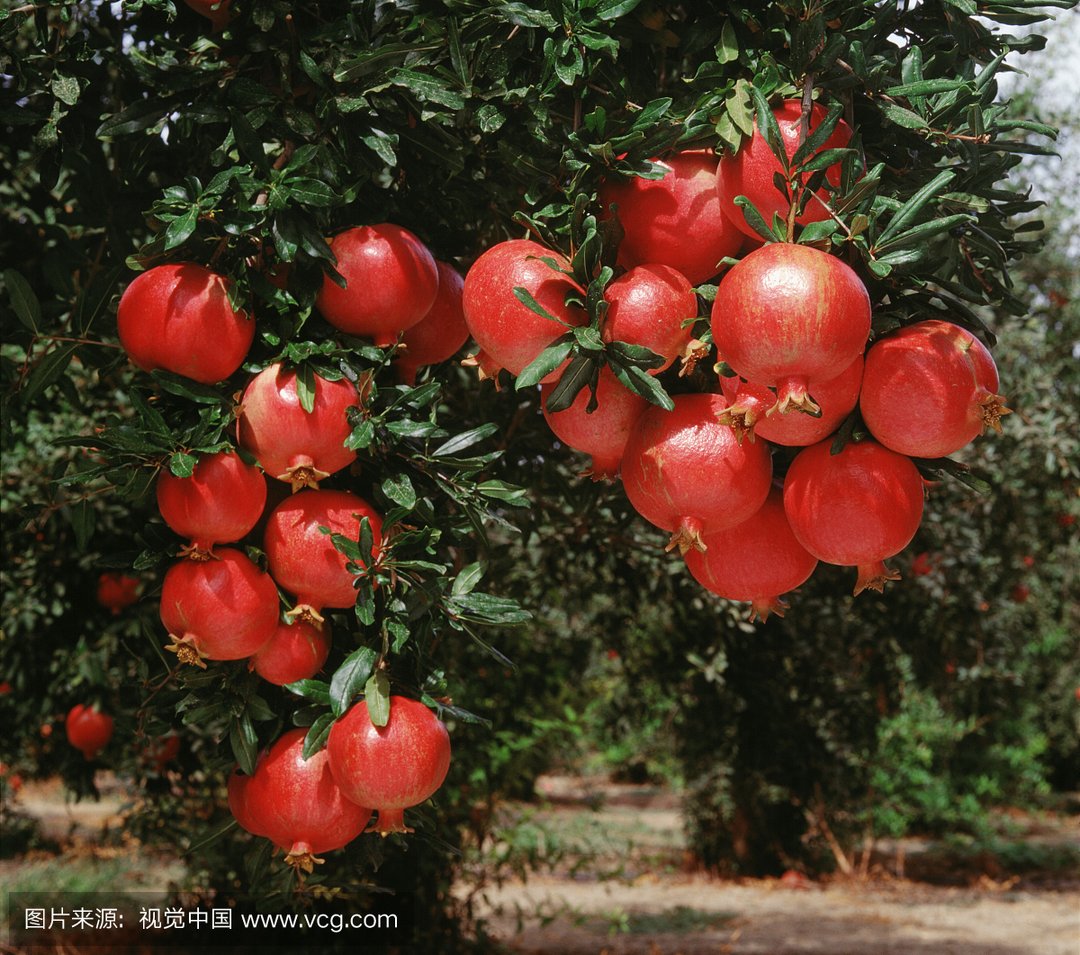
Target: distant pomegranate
[
  {"x": 389, "y": 767},
  {"x": 115, "y": 590},
  {"x": 88, "y": 729},
  {"x": 178, "y": 318},
  {"x": 648, "y": 306},
  {"x": 855, "y": 508},
  {"x": 440, "y": 333},
  {"x": 791, "y": 317},
  {"x": 391, "y": 282},
  {"x": 676, "y": 220}
]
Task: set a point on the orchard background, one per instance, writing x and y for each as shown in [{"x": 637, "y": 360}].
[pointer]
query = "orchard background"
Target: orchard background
[{"x": 532, "y": 607}]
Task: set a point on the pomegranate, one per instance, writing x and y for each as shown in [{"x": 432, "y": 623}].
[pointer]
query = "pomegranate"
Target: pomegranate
[
  {"x": 389, "y": 767},
  {"x": 855, "y": 508},
  {"x": 486, "y": 367},
  {"x": 290, "y": 443},
  {"x": 757, "y": 560},
  {"x": 603, "y": 433},
  {"x": 752, "y": 409},
  {"x": 929, "y": 389},
  {"x": 391, "y": 282},
  {"x": 647, "y": 306},
  {"x": 304, "y": 560},
  {"x": 676, "y": 220},
  {"x": 296, "y": 651},
  {"x": 162, "y": 751},
  {"x": 791, "y": 317},
  {"x": 509, "y": 332},
  {"x": 687, "y": 473},
  {"x": 88, "y": 729},
  {"x": 115, "y": 591},
  {"x": 295, "y": 803},
  {"x": 221, "y": 609},
  {"x": 440, "y": 333},
  {"x": 752, "y": 170},
  {"x": 178, "y": 317},
  {"x": 220, "y": 502}
]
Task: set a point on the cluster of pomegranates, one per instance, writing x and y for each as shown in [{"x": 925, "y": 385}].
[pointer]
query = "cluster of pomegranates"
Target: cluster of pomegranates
[
  {"x": 216, "y": 602},
  {"x": 791, "y": 325}
]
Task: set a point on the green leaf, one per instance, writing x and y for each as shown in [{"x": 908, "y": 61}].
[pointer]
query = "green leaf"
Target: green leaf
[
  {"x": 642, "y": 383},
  {"x": 468, "y": 578},
  {"x": 727, "y": 47},
  {"x": 903, "y": 117},
  {"x": 47, "y": 371},
  {"x": 487, "y": 608},
  {"x": 915, "y": 204},
  {"x": 244, "y": 742},
  {"x": 583, "y": 369},
  {"x": 24, "y": 302},
  {"x": 310, "y": 192},
  {"x": 136, "y": 118},
  {"x": 500, "y": 490},
  {"x": 817, "y": 137},
  {"x": 398, "y": 488},
  {"x": 182, "y": 464},
  {"x": 350, "y": 677},
  {"x": 925, "y": 88},
  {"x": 755, "y": 221},
  {"x": 770, "y": 129},
  {"x": 316, "y": 736},
  {"x": 186, "y": 388},
  {"x": 362, "y": 436},
  {"x": 524, "y": 296},
  {"x": 305, "y": 387},
  {"x": 466, "y": 439},
  {"x": 315, "y": 690},
  {"x": 248, "y": 142},
  {"x": 613, "y": 9},
  {"x": 818, "y": 231},
  {"x": 377, "y": 698},
  {"x": 631, "y": 354},
  {"x": 546, "y": 362},
  {"x": 65, "y": 88},
  {"x": 82, "y": 522},
  {"x": 181, "y": 228},
  {"x": 923, "y": 231}
]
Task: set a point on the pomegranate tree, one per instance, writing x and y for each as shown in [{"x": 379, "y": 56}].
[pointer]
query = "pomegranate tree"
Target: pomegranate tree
[
  {"x": 755, "y": 561},
  {"x": 855, "y": 508},
  {"x": 291, "y": 443},
  {"x": 752, "y": 171},
  {"x": 220, "y": 609},
  {"x": 440, "y": 333},
  {"x": 508, "y": 331},
  {"x": 305, "y": 561},
  {"x": 929, "y": 389},
  {"x": 296, "y": 803},
  {"x": 675, "y": 220},
  {"x": 390, "y": 767},
  {"x": 178, "y": 317},
  {"x": 790, "y": 317},
  {"x": 390, "y": 282},
  {"x": 685, "y": 471},
  {"x": 88, "y": 729},
  {"x": 218, "y": 503},
  {"x": 296, "y": 651}
]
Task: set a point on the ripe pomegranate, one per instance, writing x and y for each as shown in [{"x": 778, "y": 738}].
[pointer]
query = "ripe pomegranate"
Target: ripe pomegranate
[
  {"x": 929, "y": 389},
  {"x": 296, "y": 651},
  {"x": 855, "y": 508},
  {"x": 791, "y": 317},
  {"x": 508, "y": 331},
  {"x": 391, "y": 282},
  {"x": 752, "y": 409},
  {"x": 162, "y": 751},
  {"x": 686, "y": 473},
  {"x": 603, "y": 433},
  {"x": 290, "y": 443},
  {"x": 757, "y": 560},
  {"x": 647, "y": 306},
  {"x": 221, "y": 609},
  {"x": 88, "y": 729},
  {"x": 115, "y": 590},
  {"x": 220, "y": 502},
  {"x": 439, "y": 334},
  {"x": 389, "y": 767},
  {"x": 752, "y": 170},
  {"x": 674, "y": 221},
  {"x": 304, "y": 560},
  {"x": 922, "y": 565},
  {"x": 178, "y": 317},
  {"x": 296, "y": 803}
]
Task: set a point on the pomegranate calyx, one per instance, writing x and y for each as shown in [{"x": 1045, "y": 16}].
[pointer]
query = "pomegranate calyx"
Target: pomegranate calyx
[
  {"x": 185, "y": 651},
  {"x": 302, "y": 859},
  {"x": 993, "y": 410},
  {"x": 874, "y": 577},
  {"x": 763, "y": 606},
  {"x": 687, "y": 536},
  {"x": 197, "y": 550},
  {"x": 741, "y": 418},
  {"x": 694, "y": 351},
  {"x": 792, "y": 394},
  {"x": 388, "y": 821},
  {"x": 303, "y": 475},
  {"x": 305, "y": 613}
]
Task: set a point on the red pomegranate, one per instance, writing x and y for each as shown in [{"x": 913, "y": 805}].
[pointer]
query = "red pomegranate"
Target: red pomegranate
[
  {"x": 929, "y": 389},
  {"x": 162, "y": 751},
  {"x": 295, "y": 803},
  {"x": 648, "y": 306},
  {"x": 855, "y": 508},
  {"x": 791, "y": 317},
  {"x": 486, "y": 367},
  {"x": 115, "y": 591},
  {"x": 508, "y": 331},
  {"x": 178, "y": 318},
  {"x": 304, "y": 560},
  {"x": 296, "y": 651},
  {"x": 687, "y": 473},
  {"x": 603, "y": 433},
  {"x": 290, "y": 443},
  {"x": 676, "y": 220},
  {"x": 88, "y": 729},
  {"x": 439, "y": 334},
  {"x": 220, "y": 609},
  {"x": 391, "y": 282},
  {"x": 389, "y": 767},
  {"x": 220, "y": 502},
  {"x": 757, "y": 560},
  {"x": 752, "y": 170},
  {"x": 753, "y": 409}
]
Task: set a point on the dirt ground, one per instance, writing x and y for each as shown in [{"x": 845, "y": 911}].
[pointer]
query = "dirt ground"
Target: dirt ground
[{"x": 649, "y": 907}]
